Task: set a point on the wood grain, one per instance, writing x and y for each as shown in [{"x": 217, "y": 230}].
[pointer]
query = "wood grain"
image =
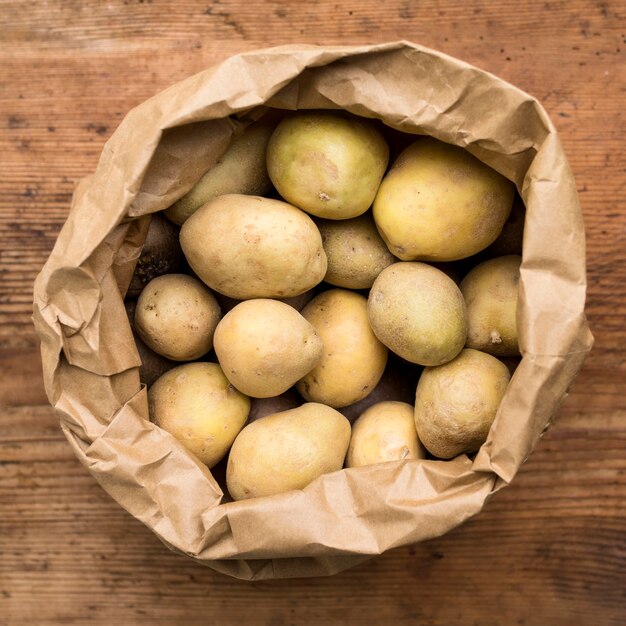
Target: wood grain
[{"x": 548, "y": 550}]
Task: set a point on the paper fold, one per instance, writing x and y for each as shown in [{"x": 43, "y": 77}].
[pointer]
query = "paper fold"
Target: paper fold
[{"x": 160, "y": 149}]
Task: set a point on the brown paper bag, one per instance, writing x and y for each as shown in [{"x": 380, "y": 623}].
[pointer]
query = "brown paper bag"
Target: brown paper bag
[{"x": 160, "y": 149}]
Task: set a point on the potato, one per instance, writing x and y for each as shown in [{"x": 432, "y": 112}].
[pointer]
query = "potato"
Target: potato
[
  {"x": 418, "y": 312},
  {"x": 176, "y": 316},
  {"x": 286, "y": 451},
  {"x": 265, "y": 346},
  {"x": 511, "y": 237},
  {"x": 152, "y": 365},
  {"x": 241, "y": 169},
  {"x": 297, "y": 302},
  {"x": 355, "y": 251},
  {"x": 252, "y": 247},
  {"x": 397, "y": 383},
  {"x": 300, "y": 301},
  {"x": 451, "y": 270},
  {"x": 490, "y": 292},
  {"x": 196, "y": 404},
  {"x": 327, "y": 164},
  {"x": 353, "y": 360},
  {"x": 456, "y": 403},
  {"x": 440, "y": 203},
  {"x": 385, "y": 432},
  {"x": 260, "y": 407},
  {"x": 160, "y": 254}
]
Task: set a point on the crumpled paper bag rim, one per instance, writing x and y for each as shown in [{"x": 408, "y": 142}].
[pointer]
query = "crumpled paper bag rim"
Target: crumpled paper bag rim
[{"x": 343, "y": 521}]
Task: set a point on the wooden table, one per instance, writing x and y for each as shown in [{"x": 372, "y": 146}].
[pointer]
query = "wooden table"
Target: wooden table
[{"x": 548, "y": 550}]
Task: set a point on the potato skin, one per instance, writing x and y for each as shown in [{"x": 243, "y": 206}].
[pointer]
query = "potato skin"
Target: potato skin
[
  {"x": 511, "y": 237},
  {"x": 152, "y": 365},
  {"x": 252, "y": 247},
  {"x": 241, "y": 169},
  {"x": 176, "y": 316},
  {"x": 397, "y": 383},
  {"x": 440, "y": 203},
  {"x": 196, "y": 404},
  {"x": 490, "y": 292},
  {"x": 384, "y": 432},
  {"x": 297, "y": 302},
  {"x": 160, "y": 254},
  {"x": 327, "y": 164},
  {"x": 266, "y": 346},
  {"x": 353, "y": 360},
  {"x": 286, "y": 451},
  {"x": 355, "y": 251},
  {"x": 260, "y": 407},
  {"x": 456, "y": 403},
  {"x": 418, "y": 312}
]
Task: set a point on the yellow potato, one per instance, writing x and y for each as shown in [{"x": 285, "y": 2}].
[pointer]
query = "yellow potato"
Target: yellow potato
[
  {"x": 297, "y": 302},
  {"x": 152, "y": 365},
  {"x": 418, "y": 312},
  {"x": 511, "y": 237},
  {"x": 286, "y": 451},
  {"x": 176, "y": 316},
  {"x": 490, "y": 292},
  {"x": 196, "y": 404},
  {"x": 260, "y": 407},
  {"x": 452, "y": 270},
  {"x": 300, "y": 301},
  {"x": 355, "y": 251},
  {"x": 353, "y": 360},
  {"x": 265, "y": 346},
  {"x": 397, "y": 383},
  {"x": 253, "y": 247},
  {"x": 241, "y": 169},
  {"x": 385, "y": 432},
  {"x": 327, "y": 164},
  {"x": 456, "y": 403},
  {"x": 440, "y": 203}
]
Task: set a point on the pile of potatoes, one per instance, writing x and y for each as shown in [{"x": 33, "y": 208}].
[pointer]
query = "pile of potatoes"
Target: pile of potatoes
[{"x": 307, "y": 307}]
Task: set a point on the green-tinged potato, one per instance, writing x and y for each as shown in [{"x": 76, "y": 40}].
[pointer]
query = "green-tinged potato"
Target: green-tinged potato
[
  {"x": 260, "y": 407},
  {"x": 241, "y": 169},
  {"x": 252, "y": 247},
  {"x": 160, "y": 254},
  {"x": 327, "y": 164},
  {"x": 440, "y": 203},
  {"x": 176, "y": 316},
  {"x": 418, "y": 312},
  {"x": 196, "y": 404},
  {"x": 490, "y": 292},
  {"x": 456, "y": 403},
  {"x": 355, "y": 251},
  {"x": 265, "y": 346},
  {"x": 397, "y": 383},
  {"x": 353, "y": 359},
  {"x": 385, "y": 432},
  {"x": 286, "y": 451}
]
